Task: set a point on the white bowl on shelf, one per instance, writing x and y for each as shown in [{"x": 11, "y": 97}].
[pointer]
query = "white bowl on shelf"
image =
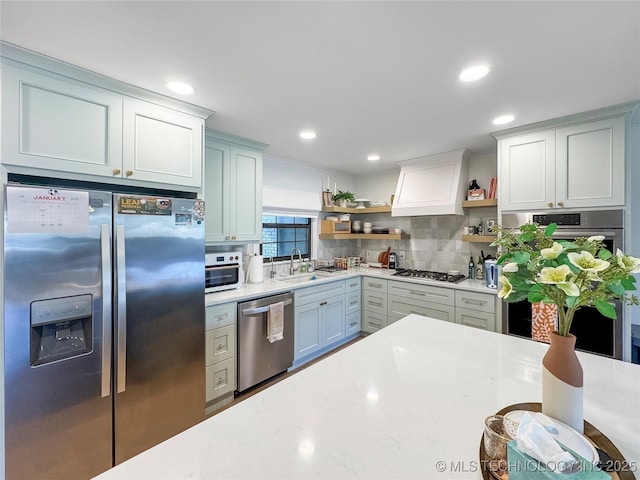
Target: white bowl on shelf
[{"x": 363, "y": 202}]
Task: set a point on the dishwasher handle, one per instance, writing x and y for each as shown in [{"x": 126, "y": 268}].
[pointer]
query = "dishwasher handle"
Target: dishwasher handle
[{"x": 251, "y": 312}]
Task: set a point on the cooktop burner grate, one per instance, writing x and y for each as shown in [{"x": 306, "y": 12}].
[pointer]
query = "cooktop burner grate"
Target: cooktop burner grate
[{"x": 429, "y": 275}]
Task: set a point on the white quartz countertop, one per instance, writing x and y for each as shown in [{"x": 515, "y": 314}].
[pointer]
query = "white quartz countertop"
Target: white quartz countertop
[
  {"x": 392, "y": 405},
  {"x": 274, "y": 286}
]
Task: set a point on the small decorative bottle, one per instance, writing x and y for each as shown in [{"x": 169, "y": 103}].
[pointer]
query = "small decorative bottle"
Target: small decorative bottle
[
  {"x": 480, "y": 269},
  {"x": 472, "y": 267}
]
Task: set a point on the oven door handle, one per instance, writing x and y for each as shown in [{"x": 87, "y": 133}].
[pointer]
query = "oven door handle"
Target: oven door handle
[
  {"x": 581, "y": 233},
  {"x": 223, "y": 267},
  {"x": 251, "y": 312}
]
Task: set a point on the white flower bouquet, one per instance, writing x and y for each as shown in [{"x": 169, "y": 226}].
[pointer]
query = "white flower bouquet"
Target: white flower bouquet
[{"x": 568, "y": 274}]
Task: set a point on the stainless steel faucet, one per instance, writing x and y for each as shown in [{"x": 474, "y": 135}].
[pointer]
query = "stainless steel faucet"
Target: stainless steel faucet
[
  {"x": 273, "y": 272},
  {"x": 291, "y": 269}
]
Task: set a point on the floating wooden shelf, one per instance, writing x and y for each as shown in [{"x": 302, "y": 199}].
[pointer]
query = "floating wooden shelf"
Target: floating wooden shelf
[
  {"x": 386, "y": 209},
  {"x": 362, "y": 236},
  {"x": 478, "y": 238},
  {"x": 492, "y": 202}
]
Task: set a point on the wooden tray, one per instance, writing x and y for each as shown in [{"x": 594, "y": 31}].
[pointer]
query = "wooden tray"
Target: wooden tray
[{"x": 595, "y": 436}]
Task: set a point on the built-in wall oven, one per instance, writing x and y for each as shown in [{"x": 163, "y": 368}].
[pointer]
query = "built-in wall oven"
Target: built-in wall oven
[
  {"x": 223, "y": 271},
  {"x": 595, "y": 333}
]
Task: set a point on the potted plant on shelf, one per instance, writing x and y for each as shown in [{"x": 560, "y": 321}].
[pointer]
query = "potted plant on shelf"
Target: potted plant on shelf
[
  {"x": 341, "y": 198},
  {"x": 568, "y": 276}
]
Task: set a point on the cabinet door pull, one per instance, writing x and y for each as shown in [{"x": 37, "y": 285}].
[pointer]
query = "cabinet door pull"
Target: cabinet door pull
[
  {"x": 561, "y": 204},
  {"x": 128, "y": 173},
  {"x": 550, "y": 204},
  {"x": 116, "y": 171},
  {"x": 220, "y": 346}
]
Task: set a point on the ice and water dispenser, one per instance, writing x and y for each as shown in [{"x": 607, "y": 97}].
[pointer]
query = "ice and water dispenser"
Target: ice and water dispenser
[{"x": 61, "y": 328}]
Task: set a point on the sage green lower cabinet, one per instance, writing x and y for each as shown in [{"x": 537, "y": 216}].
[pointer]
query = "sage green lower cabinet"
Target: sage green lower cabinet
[
  {"x": 476, "y": 309},
  {"x": 353, "y": 304},
  {"x": 326, "y": 316},
  {"x": 374, "y": 304},
  {"x": 220, "y": 355},
  {"x": 405, "y": 298}
]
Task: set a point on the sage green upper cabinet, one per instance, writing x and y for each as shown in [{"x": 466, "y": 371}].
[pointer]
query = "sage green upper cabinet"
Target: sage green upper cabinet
[
  {"x": 162, "y": 145},
  {"x": 232, "y": 189},
  {"x": 60, "y": 124},
  {"x": 576, "y": 164},
  {"x": 59, "y": 119}
]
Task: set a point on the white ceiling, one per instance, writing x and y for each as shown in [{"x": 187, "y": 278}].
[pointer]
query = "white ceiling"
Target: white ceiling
[{"x": 368, "y": 76}]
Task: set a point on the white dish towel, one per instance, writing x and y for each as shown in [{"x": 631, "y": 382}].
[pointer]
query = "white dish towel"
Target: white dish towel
[{"x": 275, "y": 322}]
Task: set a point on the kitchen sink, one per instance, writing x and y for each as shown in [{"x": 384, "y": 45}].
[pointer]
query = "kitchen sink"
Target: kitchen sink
[{"x": 302, "y": 278}]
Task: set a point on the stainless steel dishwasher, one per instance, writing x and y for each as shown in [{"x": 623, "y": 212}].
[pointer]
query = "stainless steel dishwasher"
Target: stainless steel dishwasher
[{"x": 258, "y": 359}]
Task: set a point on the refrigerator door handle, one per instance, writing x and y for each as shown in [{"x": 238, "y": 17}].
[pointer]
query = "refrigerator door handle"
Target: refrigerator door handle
[
  {"x": 121, "y": 306},
  {"x": 105, "y": 258}
]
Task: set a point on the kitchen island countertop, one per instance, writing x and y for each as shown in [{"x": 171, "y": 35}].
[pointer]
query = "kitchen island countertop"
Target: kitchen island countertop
[
  {"x": 275, "y": 286},
  {"x": 393, "y": 405}
]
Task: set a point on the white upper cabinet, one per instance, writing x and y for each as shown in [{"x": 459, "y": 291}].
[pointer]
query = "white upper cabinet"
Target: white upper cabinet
[
  {"x": 590, "y": 164},
  {"x": 527, "y": 171},
  {"x": 573, "y": 165},
  {"x": 60, "y": 118},
  {"x": 161, "y": 144},
  {"x": 60, "y": 125},
  {"x": 232, "y": 189}
]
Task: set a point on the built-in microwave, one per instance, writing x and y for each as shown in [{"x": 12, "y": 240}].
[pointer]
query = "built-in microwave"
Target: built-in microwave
[{"x": 223, "y": 271}]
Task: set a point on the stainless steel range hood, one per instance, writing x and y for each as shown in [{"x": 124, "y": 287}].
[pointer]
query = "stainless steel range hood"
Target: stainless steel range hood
[{"x": 432, "y": 185}]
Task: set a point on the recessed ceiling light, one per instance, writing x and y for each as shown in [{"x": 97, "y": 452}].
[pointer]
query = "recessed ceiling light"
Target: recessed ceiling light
[
  {"x": 373, "y": 157},
  {"x": 308, "y": 134},
  {"x": 180, "y": 88},
  {"x": 474, "y": 73},
  {"x": 503, "y": 119}
]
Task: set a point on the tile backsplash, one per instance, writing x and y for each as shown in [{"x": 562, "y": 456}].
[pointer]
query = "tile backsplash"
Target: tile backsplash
[{"x": 435, "y": 243}]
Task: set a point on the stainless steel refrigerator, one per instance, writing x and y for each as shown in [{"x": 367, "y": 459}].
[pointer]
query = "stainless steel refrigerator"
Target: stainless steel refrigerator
[{"x": 104, "y": 327}]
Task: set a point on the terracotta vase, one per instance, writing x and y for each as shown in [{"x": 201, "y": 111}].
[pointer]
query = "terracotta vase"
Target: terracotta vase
[{"x": 562, "y": 382}]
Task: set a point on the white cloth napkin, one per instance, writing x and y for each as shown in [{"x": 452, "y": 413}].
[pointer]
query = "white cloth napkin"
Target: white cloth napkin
[
  {"x": 533, "y": 439},
  {"x": 275, "y": 322}
]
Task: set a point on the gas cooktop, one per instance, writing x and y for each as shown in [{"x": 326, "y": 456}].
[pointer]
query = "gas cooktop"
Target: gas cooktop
[{"x": 429, "y": 275}]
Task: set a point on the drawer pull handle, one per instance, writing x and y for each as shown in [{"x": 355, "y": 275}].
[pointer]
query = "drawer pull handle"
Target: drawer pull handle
[
  {"x": 376, "y": 304},
  {"x": 353, "y": 284},
  {"x": 353, "y": 324},
  {"x": 376, "y": 285},
  {"x": 414, "y": 292},
  {"x": 220, "y": 380},
  {"x": 222, "y": 316},
  {"x": 354, "y": 303},
  {"x": 375, "y": 324},
  {"x": 220, "y": 346},
  {"x": 475, "y": 302}
]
